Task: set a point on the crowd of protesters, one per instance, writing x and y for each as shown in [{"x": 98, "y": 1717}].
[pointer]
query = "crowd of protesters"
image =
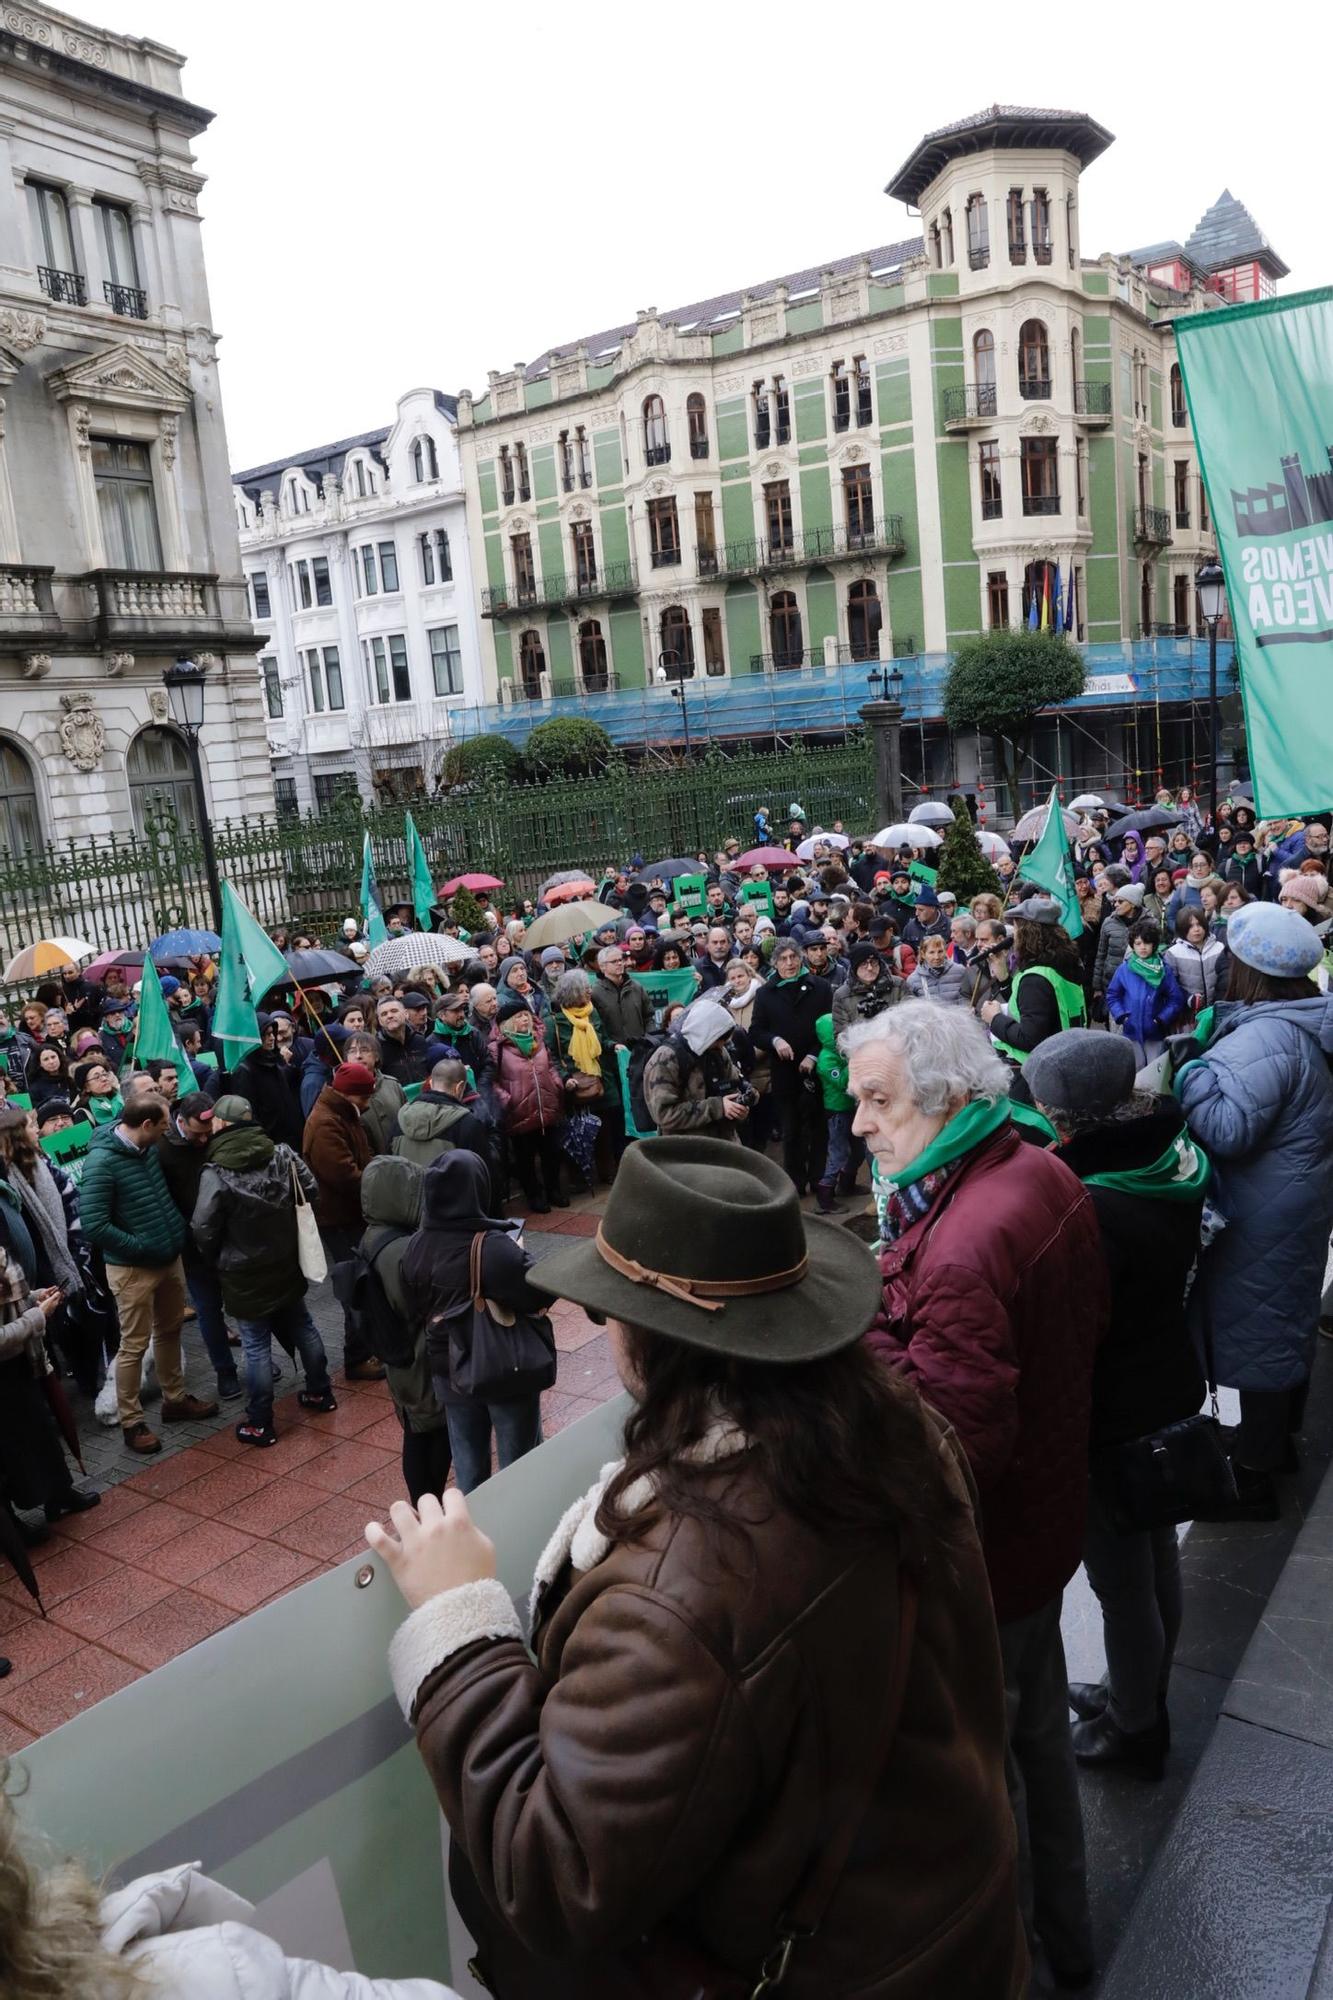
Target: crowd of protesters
[{"x": 1102, "y": 1178}]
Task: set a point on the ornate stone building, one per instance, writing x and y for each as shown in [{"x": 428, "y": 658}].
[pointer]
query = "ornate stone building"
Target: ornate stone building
[{"x": 118, "y": 548}]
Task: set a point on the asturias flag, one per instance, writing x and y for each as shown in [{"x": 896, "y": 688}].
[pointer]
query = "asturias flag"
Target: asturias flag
[
  {"x": 423, "y": 888},
  {"x": 153, "y": 1032},
  {"x": 250, "y": 964},
  {"x": 372, "y": 910},
  {"x": 1050, "y": 867}
]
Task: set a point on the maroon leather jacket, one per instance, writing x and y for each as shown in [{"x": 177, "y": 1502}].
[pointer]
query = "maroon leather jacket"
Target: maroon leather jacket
[
  {"x": 994, "y": 1304},
  {"x": 529, "y": 1090}
]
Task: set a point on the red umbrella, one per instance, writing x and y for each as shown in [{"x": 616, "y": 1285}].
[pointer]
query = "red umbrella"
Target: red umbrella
[
  {"x": 766, "y": 857},
  {"x": 474, "y": 882},
  {"x": 97, "y": 971},
  {"x": 572, "y": 892}
]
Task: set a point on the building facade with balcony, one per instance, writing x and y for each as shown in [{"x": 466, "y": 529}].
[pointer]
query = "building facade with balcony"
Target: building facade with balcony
[
  {"x": 356, "y": 558},
  {"x": 874, "y": 459},
  {"x": 118, "y": 550}
]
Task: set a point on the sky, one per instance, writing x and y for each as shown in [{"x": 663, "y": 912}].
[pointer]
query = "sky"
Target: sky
[{"x": 412, "y": 193}]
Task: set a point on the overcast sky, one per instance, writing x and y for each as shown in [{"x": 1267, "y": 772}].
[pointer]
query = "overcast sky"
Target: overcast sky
[{"x": 412, "y": 193}]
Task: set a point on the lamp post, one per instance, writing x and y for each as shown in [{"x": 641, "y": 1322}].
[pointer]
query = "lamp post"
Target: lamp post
[
  {"x": 666, "y": 662},
  {"x": 185, "y": 692},
  {"x": 1211, "y": 585},
  {"x": 883, "y": 716}
]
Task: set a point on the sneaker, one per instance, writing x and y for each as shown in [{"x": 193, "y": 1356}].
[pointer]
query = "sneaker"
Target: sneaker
[
  {"x": 257, "y": 1434},
  {"x": 189, "y": 1410},
  {"x": 310, "y": 1401},
  {"x": 139, "y": 1438},
  {"x": 229, "y": 1386},
  {"x": 365, "y": 1371}
]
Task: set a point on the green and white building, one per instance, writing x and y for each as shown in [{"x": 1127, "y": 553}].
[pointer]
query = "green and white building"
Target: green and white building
[{"x": 872, "y": 459}]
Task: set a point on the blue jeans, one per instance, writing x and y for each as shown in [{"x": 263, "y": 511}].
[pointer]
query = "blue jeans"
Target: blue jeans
[
  {"x": 206, "y": 1298},
  {"x": 294, "y": 1327},
  {"x": 845, "y": 1151},
  {"x": 517, "y": 1426}
]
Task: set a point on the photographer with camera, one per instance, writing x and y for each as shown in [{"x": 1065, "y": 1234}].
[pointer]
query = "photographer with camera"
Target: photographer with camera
[{"x": 692, "y": 1083}]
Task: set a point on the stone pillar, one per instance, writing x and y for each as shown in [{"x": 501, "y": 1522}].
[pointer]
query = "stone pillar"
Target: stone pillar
[{"x": 884, "y": 719}]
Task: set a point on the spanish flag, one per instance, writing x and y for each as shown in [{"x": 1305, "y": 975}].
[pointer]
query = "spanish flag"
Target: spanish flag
[{"x": 1046, "y": 598}]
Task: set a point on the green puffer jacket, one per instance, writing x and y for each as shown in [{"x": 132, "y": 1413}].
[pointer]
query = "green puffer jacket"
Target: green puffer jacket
[
  {"x": 831, "y": 1067},
  {"x": 126, "y": 1205}
]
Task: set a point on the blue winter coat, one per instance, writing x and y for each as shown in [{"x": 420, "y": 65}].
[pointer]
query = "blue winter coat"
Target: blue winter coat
[
  {"x": 1260, "y": 1103},
  {"x": 1145, "y": 1012}
]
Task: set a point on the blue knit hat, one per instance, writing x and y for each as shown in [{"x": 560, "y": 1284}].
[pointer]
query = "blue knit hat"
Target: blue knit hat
[
  {"x": 1273, "y": 940},
  {"x": 924, "y": 894}
]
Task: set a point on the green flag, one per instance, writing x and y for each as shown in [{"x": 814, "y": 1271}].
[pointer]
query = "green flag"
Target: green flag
[
  {"x": 249, "y": 964},
  {"x": 1050, "y": 867},
  {"x": 372, "y": 910},
  {"x": 423, "y": 889},
  {"x": 665, "y": 988},
  {"x": 1259, "y": 382},
  {"x": 153, "y": 1032}
]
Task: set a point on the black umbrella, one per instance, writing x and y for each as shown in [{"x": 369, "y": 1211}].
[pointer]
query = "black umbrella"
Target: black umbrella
[
  {"x": 15, "y": 1551},
  {"x": 667, "y": 871},
  {"x": 1151, "y": 820},
  {"x": 310, "y": 968}
]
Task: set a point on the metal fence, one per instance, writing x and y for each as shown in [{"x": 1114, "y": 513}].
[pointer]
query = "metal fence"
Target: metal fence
[{"x": 305, "y": 872}]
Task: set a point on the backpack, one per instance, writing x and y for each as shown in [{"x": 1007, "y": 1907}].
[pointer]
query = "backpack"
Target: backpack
[
  {"x": 640, "y": 1055},
  {"x": 360, "y": 1292}
]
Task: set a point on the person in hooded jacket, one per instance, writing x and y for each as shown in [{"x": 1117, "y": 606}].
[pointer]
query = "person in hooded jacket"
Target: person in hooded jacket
[
  {"x": 434, "y": 1280},
  {"x": 269, "y": 1079},
  {"x": 391, "y": 1204},
  {"x": 1197, "y": 959},
  {"x": 1144, "y": 998},
  {"x": 337, "y": 1149},
  {"x": 244, "y": 1225},
  {"x": 1259, "y": 1100},
  {"x": 327, "y": 1051},
  {"x": 691, "y": 1084},
  {"x": 446, "y": 1116},
  {"x": 1147, "y": 1180},
  {"x": 937, "y": 977}
]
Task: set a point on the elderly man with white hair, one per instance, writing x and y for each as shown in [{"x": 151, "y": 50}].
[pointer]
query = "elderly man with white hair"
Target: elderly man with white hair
[{"x": 995, "y": 1298}]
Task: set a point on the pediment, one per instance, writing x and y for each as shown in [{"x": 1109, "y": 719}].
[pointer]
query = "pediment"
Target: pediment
[
  {"x": 120, "y": 375},
  {"x": 10, "y": 363}
]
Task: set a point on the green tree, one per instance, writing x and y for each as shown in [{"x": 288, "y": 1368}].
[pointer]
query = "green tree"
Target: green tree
[
  {"x": 999, "y": 683},
  {"x": 466, "y": 910},
  {"x": 469, "y": 763},
  {"x": 960, "y": 863},
  {"x": 569, "y": 744}
]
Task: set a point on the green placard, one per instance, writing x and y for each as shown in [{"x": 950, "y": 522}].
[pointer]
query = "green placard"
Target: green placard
[
  {"x": 665, "y": 988},
  {"x": 69, "y": 1148},
  {"x": 758, "y": 892},
  {"x": 923, "y": 872},
  {"x": 20, "y": 1100},
  {"x": 690, "y": 893}
]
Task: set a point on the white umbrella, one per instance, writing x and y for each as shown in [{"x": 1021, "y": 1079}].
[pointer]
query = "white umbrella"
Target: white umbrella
[
  {"x": 46, "y": 955},
  {"x": 1033, "y": 823},
  {"x": 400, "y": 954},
  {"x": 932, "y": 813},
  {"x": 904, "y": 835},
  {"x": 1087, "y": 802},
  {"x": 992, "y": 845},
  {"x": 806, "y": 850}
]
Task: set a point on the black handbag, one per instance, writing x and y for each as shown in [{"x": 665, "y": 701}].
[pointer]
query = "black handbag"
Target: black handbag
[
  {"x": 1172, "y": 1474},
  {"x": 496, "y": 1355}
]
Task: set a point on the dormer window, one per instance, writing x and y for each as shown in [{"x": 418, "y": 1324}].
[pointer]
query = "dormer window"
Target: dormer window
[{"x": 425, "y": 464}]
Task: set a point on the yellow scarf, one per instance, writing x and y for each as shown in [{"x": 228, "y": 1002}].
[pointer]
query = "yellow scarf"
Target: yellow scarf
[{"x": 585, "y": 1049}]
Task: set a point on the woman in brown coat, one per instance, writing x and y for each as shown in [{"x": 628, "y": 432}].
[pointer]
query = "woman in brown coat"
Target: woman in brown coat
[{"x": 765, "y": 1711}]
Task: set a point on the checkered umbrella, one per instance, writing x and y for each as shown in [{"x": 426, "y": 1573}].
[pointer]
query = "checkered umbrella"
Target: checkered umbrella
[{"x": 400, "y": 954}]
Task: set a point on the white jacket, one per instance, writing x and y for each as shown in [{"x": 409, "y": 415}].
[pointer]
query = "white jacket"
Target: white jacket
[{"x": 193, "y": 1938}]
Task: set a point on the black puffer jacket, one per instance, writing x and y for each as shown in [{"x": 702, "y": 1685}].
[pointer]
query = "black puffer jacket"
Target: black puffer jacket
[
  {"x": 272, "y": 1089},
  {"x": 245, "y": 1221},
  {"x": 788, "y": 1013},
  {"x": 1146, "y": 1373}
]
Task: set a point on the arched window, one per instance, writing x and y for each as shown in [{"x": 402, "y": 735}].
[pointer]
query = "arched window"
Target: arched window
[
  {"x": 161, "y": 782},
  {"x": 864, "y": 619},
  {"x": 531, "y": 664},
  {"x": 20, "y": 827},
  {"x": 1076, "y": 361},
  {"x": 656, "y": 450},
  {"x": 592, "y": 657},
  {"x": 696, "y": 411},
  {"x": 784, "y": 626},
  {"x": 983, "y": 363},
  {"x": 425, "y": 465},
  {"x": 677, "y": 644},
  {"x": 1177, "y": 397},
  {"x": 1034, "y": 360},
  {"x": 946, "y": 232}
]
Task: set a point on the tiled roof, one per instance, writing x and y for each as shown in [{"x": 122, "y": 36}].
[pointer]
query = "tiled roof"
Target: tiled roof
[
  {"x": 704, "y": 312},
  {"x": 999, "y": 125},
  {"x": 324, "y": 458},
  {"x": 1228, "y": 234}
]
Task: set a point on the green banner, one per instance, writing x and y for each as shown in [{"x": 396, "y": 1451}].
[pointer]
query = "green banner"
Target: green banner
[
  {"x": 690, "y": 893},
  {"x": 1259, "y": 381},
  {"x": 665, "y": 988},
  {"x": 758, "y": 892},
  {"x": 69, "y": 1148},
  {"x": 921, "y": 871}
]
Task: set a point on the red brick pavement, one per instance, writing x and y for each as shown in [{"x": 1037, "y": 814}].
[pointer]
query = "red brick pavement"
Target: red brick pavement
[{"x": 188, "y": 1545}]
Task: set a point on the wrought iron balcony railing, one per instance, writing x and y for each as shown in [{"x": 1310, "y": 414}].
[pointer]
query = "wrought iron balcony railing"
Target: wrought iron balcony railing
[
  {"x": 1179, "y": 416},
  {"x": 1092, "y": 399},
  {"x": 126, "y": 299},
  {"x": 657, "y": 454},
  {"x": 1152, "y": 526},
  {"x": 1041, "y": 503},
  {"x": 1160, "y": 629},
  {"x": 699, "y": 447},
  {"x": 1035, "y": 388},
  {"x": 596, "y": 683},
  {"x": 665, "y": 558},
  {"x": 67, "y": 288},
  {"x": 613, "y": 580},
  {"x": 815, "y": 545},
  {"x": 974, "y": 403}
]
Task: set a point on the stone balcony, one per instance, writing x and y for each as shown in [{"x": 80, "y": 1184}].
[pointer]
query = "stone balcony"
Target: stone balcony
[
  {"x": 161, "y": 611},
  {"x": 27, "y": 603}
]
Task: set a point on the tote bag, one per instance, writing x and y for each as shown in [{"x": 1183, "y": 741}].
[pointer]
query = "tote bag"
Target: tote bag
[{"x": 309, "y": 1249}]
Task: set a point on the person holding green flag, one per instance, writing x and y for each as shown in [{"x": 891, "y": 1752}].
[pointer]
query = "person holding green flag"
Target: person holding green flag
[
  {"x": 1050, "y": 866},
  {"x": 154, "y": 1034},
  {"x": 1047, "y": 994},
  {"x": 372, "y": 910}
]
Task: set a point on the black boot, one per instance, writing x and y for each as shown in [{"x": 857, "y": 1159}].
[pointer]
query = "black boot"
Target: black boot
[
  {"x": 1088, "y": 1699},
  {"x": 1103, "y": 1742},
  {"x": 824, "y": 1196}
]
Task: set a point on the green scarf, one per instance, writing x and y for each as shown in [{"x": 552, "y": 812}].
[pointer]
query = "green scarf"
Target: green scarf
[
  {"x": 966, "y": 1130},
  {"x": 1028, "y": 1114},
  {"x": 1181, "y": 1173},
  {"x": 1147, "y": 969},
  {"x": 788, "y": 982},
  {"x": 525, "y": 1044}
]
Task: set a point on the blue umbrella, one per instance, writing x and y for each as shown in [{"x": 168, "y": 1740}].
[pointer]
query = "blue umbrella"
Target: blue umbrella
[{"x": 183, "y": 944}]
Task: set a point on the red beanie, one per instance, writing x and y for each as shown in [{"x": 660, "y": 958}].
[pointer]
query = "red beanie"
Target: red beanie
[{"x": 354, "y": 1080}]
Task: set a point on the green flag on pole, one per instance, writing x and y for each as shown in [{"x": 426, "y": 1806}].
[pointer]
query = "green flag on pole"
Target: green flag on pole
[
  {"x": 249, "y": 964},
  {"x": 1050, "y": 866},
  {"x": 153, "y": 1033},
  {"x": 423, "y": 888},
  {"x": 372, "y": 910}
]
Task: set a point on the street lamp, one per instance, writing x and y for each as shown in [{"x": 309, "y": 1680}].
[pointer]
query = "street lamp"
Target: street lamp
[
  {"x": 666, "y": 665},
  {"x": 1211, "y": 585},
  {"x": 185, "y": 683},
  {"x": 883, "y": 716}
]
